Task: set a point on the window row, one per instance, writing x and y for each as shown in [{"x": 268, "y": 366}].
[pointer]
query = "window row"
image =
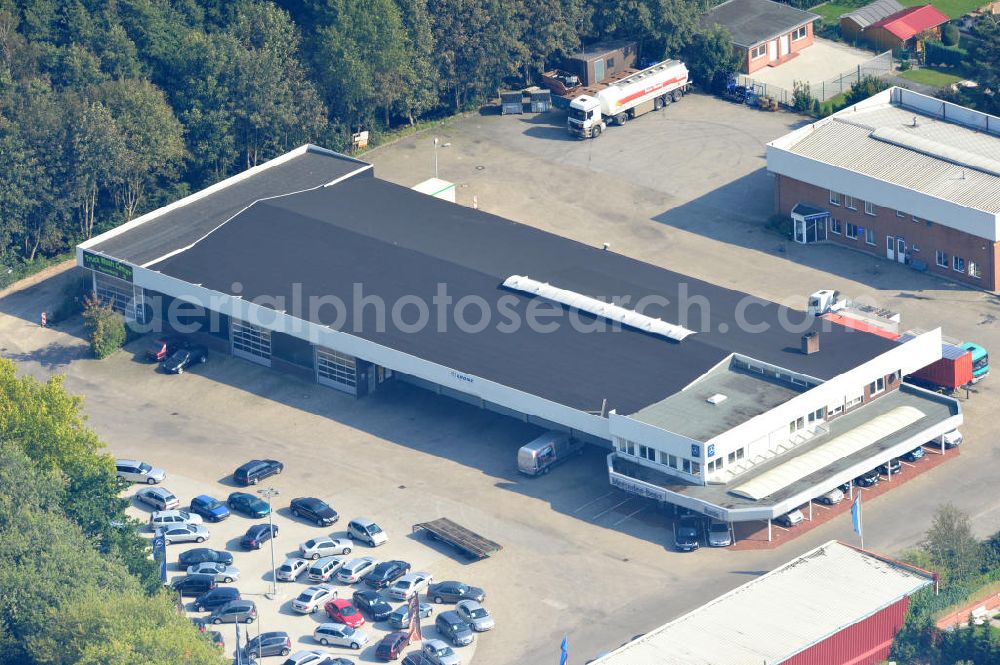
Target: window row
[
  {"x": 653, "y": 455},
  {"x": 958, "y": 264},
  {"x": 800, "y": 33},
  {"x": 851, "y": 203},
  {"x": 758, "y": 52}
]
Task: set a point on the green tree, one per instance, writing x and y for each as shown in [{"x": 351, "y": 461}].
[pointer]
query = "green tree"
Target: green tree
[
  {"x": 421, "y": 94},
  {"x": 709, "y": 56},
  {"x": 950, "y": 544},
  {"x": 950, "y": 34},
  {"x": 865, "y": 88},
  {"x": 105, "y": 327},
  {"x": 547, "y": 27},
  {"x": 802, "y": 96},
  {"x": 95, "y": 152}
]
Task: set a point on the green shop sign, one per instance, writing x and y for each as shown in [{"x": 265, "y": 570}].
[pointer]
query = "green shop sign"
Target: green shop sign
[{"x": 108, "y": 266}]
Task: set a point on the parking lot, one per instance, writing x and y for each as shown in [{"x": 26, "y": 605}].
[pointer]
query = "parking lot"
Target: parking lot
[{"x": 684, "y": 189}]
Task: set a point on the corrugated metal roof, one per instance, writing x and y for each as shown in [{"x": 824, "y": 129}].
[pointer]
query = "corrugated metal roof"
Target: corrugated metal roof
[
  {"x": 847, "y": 141},
  {"x": 835, "y": 449},
  {"x": 775, "y": 616},
  {"x": 877, "y": 10}
]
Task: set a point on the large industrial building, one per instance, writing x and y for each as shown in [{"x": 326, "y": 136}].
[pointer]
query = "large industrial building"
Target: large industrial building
[
  {"x": 902, "y": 176},
  {"x": 706, "y": 397},
  {"x": 834, "y": 605}
]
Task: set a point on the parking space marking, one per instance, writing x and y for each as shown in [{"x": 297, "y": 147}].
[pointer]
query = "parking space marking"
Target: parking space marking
[
  {"x": 603, "y": 496},
  {"x": 779, "y": 527},
  {"x": 608, "y": 510},
  {"x": 630, "y": 516},
  {"x": 906, "y": 464},
  {"x": 820, "y": 506}
]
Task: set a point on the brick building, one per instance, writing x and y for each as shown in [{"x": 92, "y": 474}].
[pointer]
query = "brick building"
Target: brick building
[
  {"x": 901, "y": 176},
  {"x": 764, "y": 33}
]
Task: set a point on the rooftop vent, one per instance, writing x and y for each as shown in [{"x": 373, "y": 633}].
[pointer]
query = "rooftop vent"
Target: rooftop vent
[
  {"x": 717, "y": 398},
  {"x": 810, "y": 343}
]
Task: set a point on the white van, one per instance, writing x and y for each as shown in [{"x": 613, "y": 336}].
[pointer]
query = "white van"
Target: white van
[
  {"x": 950, "y": 439},
  {"x": 546, "y": 451}
]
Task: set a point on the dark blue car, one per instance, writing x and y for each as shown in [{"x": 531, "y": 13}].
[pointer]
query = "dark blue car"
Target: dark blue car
[
  {"x": 248, "y": 504},
  {"x": 211, "y": 509}
]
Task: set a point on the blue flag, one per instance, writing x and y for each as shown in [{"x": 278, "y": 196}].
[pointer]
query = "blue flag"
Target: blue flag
[
  {"x": 856, "y": 515},
  {"x": 564, "y": 653}
]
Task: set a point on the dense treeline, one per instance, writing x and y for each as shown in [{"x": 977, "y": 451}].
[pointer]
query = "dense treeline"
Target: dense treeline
[
  {"x": 78, "y": 585},
  {"x": 109, "y": 108}
]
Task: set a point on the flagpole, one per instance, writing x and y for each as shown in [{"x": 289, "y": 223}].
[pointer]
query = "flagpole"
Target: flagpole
[{"x": 861, "y": 523}]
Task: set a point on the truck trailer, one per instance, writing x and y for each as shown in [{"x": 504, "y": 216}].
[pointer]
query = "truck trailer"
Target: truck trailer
[{"x": 650, "y": 89}]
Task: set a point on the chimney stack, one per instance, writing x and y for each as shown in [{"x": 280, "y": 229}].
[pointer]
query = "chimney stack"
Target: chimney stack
[{"x": 810, "y": 343}]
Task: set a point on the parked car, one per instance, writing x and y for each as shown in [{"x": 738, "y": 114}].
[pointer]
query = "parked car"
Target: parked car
[
  {"x": 158, "y": 498},
  {"x": 182, "y": 359},
  {"x": 162, "y": 348},
  {"x": 257, "y": 470},
  {"x": 290, "y": 570},
  {"x": 193, "y": 584},
  {"x": 271, "y": 643},
  {"x": 439, "y": 653},
  {"x": 417, "y": 658},
  {"x": 950, "y": 439},
  {"x": 342, "y": 611},
  {"x": 451, "y": 626},
  {"x": 325, "y": 569},
  {"x": 367, "y": 531},
  {"x": 313, "y": 597},
  {"x": 846, "y": 488},
  {"x": 204, "y": 554},
  {"x": 400, "y": 617},
  {"x": 892, "y": 467},
  {"x": 914, "y": 454},
  {"x": 134, "y": 471},
  {"x": 315, "y": 657},
  {"x": 687, "y": 533},
  {"x": 386, "y": 573},
  {"x": 392, "y": 645},
  {"x": 475, "y": 615},
  {"x": 340, "y": 635},
  {"x": 235, "y": 611},
  {"x": 790, "y": 519},
  {"x": 409, "y": 584},
  {"x": 183, "y": 533},
  {"x": 220, "y": 571},
  {"x": 719, "y": 534},
  {"x": 314, "y": 548},
  {"x": 217, "y": 597},
  {"x": 452, "y": 592},
  {"x": 161, "y": 518},
  {"x": 372, "y": 604},
  {"x": 356, "y": 569},
  {"x": 211, "y": 509},
  {"x": 868, "y": 479},
  {"x": 248, "y": 504},
  {"x": 257, "y": 535},
  {"x": 831, "y": 498},
  {"x": 315, "y": 510}
]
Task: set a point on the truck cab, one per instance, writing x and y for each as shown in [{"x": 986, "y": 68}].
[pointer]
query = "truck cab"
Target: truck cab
[
  {"x": 585, "y": 120},
  {"x": 980, "y": 361}
]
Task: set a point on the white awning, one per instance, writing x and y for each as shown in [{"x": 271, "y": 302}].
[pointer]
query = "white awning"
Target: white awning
[
  {"x": 628, "y": 317},
  {"x": 835, "y": 449}
]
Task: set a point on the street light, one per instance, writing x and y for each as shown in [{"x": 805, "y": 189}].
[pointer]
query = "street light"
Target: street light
[
  {"x": 268, "y": 493},
  {"x": 443, "y": 145}
]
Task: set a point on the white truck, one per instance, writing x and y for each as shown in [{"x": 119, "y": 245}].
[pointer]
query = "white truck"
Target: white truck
[{"x": 650, "y": 89}]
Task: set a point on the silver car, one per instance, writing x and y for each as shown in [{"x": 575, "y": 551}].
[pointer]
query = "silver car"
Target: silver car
[
  {"x": 290, "y": 570},
  {"x": 719, "y": 534},
  {"x": 409, "y": 584},
  {"x": 314, "y": 548},
  {"x": 340, "y": 635},
  {"x": 159, "y": 498},
  {"x": 172, "y": 518},
  {"x": 221, "y": 571},
  {"x": 475, "y": 615},
  {"x": 307, "y": 657},
  {"x": 184, "y": 533},
  {"x": 313, "y": 598},
  {"x": 400, "y": 617},
  {"x": 235, "y": 611},
  {"x": 356, "y": 569},
  {"x": 134, "y": 471},
  {"x": 439, "y": 653}
]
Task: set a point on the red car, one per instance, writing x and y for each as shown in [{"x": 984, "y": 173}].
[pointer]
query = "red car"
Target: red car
[
  {"x": 392, "y": 645},
  {"x": 162, "y": 348},
  {"x": 342, "y": 611}
]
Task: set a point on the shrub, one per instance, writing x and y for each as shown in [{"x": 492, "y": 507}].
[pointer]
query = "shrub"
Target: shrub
[
  {"x": 950, "y": 35},
  {"x": 105, "y": 327},
  {"x": 936, "y": 53},
  {"x": 865, "y": 88},
  {"x": 802, "y": 96},
  {"x": 905, "y": 65}
]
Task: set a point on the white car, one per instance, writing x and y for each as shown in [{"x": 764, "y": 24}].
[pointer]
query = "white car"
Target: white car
[
  {"x": 172, "y": 518},
  {"x": 313, "y": 598},
  {"x": 308, "y": 657},
  {"x": 833, "y": 497},
  {"x": 409, "y": 584},
  {"x": 325, "y": 569},
  {"x": 338, "y": 634},
  {"x": 475, "y": 615},
  {"x": 159, "y": 498},
  {"x": 290, "y": 570},
  {"x": 314, "y": 548},
  {"x": 135, "y": 471},
  {"x": 183, "y": 533},
  {"x": 356, "y": 569},
  {"x": 221, "y": 571}
]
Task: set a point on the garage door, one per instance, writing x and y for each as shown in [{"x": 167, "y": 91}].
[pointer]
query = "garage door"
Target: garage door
[
  {"x": 250, "y": 342},
  {"x": 124, "y": 297},
  {"x": 336, "y": 370}
]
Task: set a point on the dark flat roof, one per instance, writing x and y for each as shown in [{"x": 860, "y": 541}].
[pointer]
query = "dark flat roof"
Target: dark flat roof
[
  {"x": 183, "y": 225},
  {"x": 396, "y": 242},
  {"x": 751, "y": 22}
]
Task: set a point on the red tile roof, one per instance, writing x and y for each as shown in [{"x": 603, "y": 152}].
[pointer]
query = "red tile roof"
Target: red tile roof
[{"x": 911, "y": 21}]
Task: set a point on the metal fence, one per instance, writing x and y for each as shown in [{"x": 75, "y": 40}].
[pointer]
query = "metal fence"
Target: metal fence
[{"x": 879, "y": 66}]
